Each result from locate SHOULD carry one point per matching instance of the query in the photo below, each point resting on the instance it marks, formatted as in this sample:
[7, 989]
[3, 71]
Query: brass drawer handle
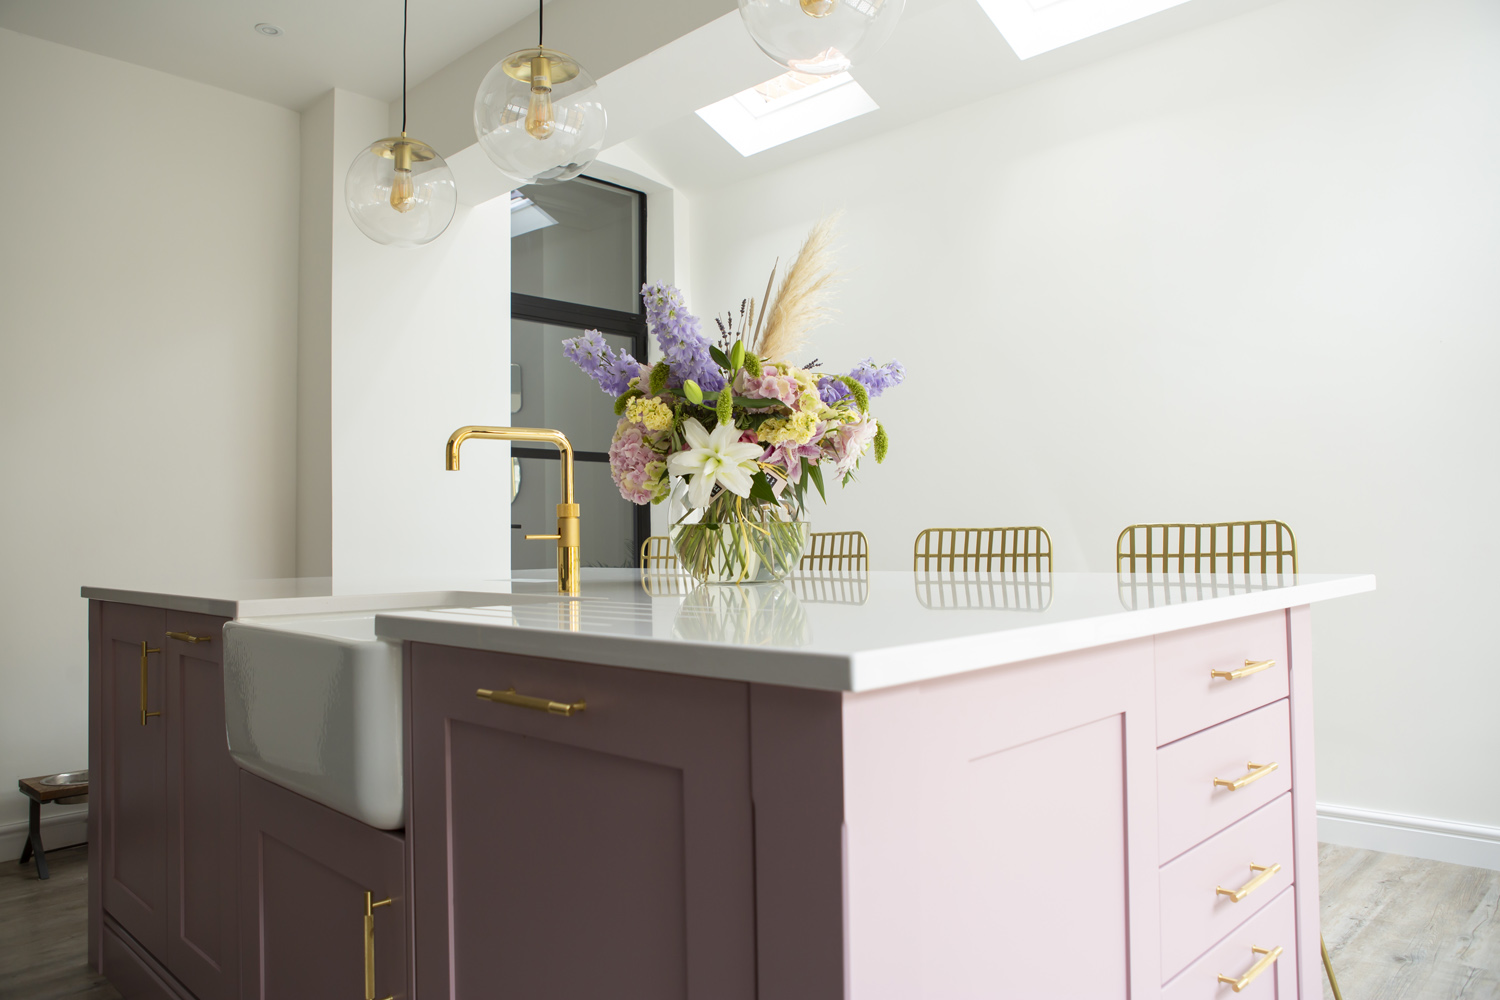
[1268, 959]
[1257, 771]
[370, 907]
[145, 651]
[189, 637]
[1265, 872]
[509, 697]
[1250, 667]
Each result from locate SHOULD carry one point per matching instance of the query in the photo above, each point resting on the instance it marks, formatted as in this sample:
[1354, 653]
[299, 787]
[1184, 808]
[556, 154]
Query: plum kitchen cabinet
[607, 852]
[164, 824]
[323, 901]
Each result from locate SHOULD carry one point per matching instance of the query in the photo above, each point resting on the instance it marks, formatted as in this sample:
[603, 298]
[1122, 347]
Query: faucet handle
[544, 538]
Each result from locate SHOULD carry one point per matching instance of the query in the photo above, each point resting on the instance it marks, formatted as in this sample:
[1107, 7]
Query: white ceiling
[352, 44]
[976, 63]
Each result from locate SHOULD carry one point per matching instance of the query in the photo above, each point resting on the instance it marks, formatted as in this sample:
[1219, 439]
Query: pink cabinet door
[202, 812]
[1002, 833]
[304, 872]
[603, 854]
[133, 863]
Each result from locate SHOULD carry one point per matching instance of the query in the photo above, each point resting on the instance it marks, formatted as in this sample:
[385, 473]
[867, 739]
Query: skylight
[527, 216]
[1036, 26]
[785, 108]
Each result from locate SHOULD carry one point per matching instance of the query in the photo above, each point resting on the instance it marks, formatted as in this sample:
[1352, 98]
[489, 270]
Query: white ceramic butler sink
[313, 703]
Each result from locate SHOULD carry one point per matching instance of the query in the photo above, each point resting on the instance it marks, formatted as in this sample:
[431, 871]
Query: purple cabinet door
[304, 873]
[133, 830]
[603, 854]
[202, 811]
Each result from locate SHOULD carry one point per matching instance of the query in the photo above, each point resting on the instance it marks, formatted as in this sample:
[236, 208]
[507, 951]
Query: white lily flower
[719, 457]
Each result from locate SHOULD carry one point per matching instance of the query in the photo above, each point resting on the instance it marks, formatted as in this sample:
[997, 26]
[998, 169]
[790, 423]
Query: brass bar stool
[837, 550]
[657, 555]
[1019, 549]
[1258, 546]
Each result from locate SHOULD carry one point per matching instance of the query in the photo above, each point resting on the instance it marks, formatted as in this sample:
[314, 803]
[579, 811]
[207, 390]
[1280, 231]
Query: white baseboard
[61, 827]
[1414, 836]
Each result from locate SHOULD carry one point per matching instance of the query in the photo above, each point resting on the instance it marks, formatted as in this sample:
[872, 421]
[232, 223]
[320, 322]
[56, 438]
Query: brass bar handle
[1256, 772]
[509, 697]
[1268, 959]
[1250, 667]
[370, 907]
[1265, 873]
[145, 651]
[189, 637]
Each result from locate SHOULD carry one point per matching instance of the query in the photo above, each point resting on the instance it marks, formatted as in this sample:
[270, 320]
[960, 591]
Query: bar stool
[66, 788]
[1010, 550]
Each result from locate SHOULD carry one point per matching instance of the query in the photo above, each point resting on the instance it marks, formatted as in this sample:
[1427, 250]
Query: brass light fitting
[568, 532]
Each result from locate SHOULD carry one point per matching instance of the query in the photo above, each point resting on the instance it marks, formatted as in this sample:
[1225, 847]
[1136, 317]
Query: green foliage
[761, 489]
[737, 355]
[725, 407]
[752, 364]
[719, 356]
[882, 443]
[624, 399]
[861, 395]
[692, 391]
[815, 473]
[660, 372]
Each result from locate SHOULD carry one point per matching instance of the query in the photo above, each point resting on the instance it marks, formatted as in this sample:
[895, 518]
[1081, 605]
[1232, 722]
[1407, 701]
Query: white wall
[1248, 271]
[400, 347]
[148, 322]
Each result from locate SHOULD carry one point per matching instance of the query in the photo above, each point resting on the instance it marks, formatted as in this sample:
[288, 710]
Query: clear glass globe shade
[538, 136]
[820, 36]
[397, 206]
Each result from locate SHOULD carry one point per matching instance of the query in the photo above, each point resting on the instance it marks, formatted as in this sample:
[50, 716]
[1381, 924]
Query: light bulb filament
[539, 119]
[818, 8]
[403, 190]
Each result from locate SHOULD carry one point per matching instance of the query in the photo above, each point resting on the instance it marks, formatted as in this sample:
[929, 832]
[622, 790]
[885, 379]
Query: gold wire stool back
[1256, 546]
[657, 555]
[1014, 550]
[836, 550]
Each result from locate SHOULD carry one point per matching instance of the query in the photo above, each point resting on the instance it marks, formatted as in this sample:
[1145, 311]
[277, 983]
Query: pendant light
[820, 36]
[536, 115]
[400, 192]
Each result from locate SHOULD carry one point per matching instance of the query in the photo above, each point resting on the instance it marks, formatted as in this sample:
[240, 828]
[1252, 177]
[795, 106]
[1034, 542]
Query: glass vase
[739, 544]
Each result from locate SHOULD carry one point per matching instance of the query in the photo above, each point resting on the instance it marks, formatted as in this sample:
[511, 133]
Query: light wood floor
[1398, 928]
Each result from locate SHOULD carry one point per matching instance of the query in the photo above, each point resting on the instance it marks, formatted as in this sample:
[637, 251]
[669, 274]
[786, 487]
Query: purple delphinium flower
[682, 345]
[613, 371]
[878, 379]
[831, 390]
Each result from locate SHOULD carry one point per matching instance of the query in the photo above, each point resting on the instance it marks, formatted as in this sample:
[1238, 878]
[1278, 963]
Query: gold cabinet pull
[1263, 875]
[1250, 667]
[370, 907]
[1268, 959]
[145, 651]
[1256, 772]
[509, 697]
[189, 637]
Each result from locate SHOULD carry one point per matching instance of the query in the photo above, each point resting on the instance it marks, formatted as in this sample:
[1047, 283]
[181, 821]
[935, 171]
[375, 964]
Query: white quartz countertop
[313, 595]
[854, 632]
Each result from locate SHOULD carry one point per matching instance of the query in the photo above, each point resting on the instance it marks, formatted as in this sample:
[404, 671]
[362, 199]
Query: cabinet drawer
[1193, 913]
[1273, 927]
[1190, 698]
[1192, 806]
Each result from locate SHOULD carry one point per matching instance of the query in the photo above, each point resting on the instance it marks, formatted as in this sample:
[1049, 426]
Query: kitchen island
[872, 785]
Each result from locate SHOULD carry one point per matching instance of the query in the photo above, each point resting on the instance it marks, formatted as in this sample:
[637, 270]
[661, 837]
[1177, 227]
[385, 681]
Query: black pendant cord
[403, 66]
[539, 23]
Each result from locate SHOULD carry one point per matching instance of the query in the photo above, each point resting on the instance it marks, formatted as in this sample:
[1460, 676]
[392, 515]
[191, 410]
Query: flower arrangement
[736, 422]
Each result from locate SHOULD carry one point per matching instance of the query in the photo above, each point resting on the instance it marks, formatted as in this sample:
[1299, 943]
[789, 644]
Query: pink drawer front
[1193, 913]
[1273, 927]
[1192, 807]
[1188, 695]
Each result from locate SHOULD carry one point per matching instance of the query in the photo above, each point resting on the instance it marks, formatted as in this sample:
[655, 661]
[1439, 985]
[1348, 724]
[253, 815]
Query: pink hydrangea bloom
[770, 385]
[638, 468]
